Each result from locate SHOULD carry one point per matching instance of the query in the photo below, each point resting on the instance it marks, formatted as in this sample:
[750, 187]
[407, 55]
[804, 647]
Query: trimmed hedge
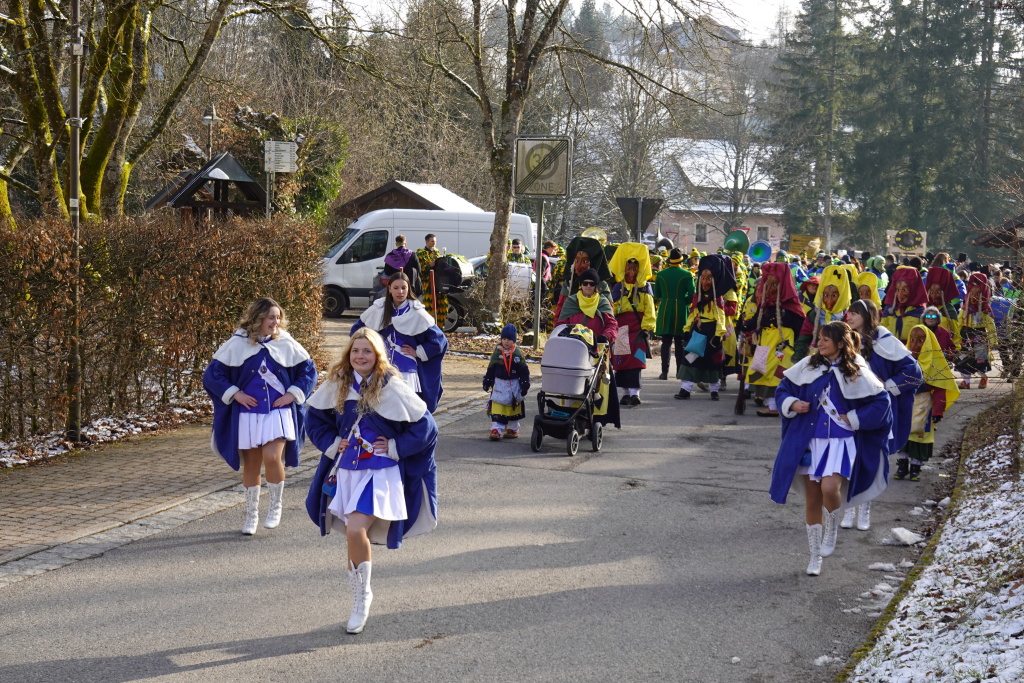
[159, 295]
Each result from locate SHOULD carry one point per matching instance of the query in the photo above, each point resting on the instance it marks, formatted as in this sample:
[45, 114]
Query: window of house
[701, 233]
[762, 232]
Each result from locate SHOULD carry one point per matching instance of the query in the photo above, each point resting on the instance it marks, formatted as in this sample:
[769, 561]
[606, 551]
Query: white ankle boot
[276, 503]
[864, 516]
[831, 531]
[252, 510]
[362, 596]
[814, 541]
[848, 518]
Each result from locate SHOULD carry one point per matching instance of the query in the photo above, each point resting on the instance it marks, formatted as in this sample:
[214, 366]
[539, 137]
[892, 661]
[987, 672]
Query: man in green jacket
[673, 289]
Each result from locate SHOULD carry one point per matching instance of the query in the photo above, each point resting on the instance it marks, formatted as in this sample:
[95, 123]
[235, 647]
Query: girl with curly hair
[376, 481]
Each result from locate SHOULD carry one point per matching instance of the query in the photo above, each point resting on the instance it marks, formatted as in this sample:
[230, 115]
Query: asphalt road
[661, 558]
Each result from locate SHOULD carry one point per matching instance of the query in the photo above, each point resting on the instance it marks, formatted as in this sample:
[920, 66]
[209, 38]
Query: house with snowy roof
[713, 187]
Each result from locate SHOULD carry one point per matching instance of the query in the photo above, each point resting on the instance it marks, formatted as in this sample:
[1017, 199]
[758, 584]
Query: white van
[358, 255]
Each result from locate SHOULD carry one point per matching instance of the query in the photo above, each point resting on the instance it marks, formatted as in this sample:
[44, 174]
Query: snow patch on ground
[104, 430]
[963, 619]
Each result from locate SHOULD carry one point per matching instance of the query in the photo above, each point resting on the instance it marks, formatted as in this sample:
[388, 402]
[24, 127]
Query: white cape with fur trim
[864, 385]
[415, 321]
[398, 402]
[285, 351]
[888, 346]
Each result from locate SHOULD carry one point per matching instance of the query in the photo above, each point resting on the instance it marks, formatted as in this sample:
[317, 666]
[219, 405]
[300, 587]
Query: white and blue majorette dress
[411, 324]
[266, 371]
[819, 444]
[398, 488]
[895, 366]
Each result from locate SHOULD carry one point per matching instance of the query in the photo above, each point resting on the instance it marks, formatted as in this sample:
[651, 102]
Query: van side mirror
[346, 256]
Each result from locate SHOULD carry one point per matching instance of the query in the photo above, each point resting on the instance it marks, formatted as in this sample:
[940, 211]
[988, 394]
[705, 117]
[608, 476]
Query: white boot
[814, 541]
[864, 516]
[848, 518]
[828, 536]
[362, 596]
[252, 510]
[276, 503]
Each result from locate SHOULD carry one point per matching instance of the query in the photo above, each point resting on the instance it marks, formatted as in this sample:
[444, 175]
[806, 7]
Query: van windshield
[341, 242]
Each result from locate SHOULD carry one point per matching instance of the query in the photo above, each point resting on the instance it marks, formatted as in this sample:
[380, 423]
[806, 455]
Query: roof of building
[431, 195]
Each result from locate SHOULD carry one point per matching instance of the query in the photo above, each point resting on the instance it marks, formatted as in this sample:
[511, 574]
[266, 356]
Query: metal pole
[538, 262]
[73, 427]
[270, 184]
[640, 219]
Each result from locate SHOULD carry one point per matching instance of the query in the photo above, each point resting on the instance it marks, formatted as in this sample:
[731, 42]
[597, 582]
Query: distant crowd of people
[856, 355]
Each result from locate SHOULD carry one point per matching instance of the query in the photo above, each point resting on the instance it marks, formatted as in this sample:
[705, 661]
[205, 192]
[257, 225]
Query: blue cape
[236, 362]
[874, 419]
[415, 442]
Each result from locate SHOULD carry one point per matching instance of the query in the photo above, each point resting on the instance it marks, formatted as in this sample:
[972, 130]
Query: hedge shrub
[159, 294]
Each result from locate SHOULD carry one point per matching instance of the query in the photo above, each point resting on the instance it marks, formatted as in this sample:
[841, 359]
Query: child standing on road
[376, 481]
[508, 380]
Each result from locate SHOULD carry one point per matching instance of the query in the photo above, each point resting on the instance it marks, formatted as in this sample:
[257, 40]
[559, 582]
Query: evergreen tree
[808, 100]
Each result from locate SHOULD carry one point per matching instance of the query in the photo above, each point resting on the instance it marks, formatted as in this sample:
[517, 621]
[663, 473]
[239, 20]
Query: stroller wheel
[572, 442]
[596, 436]
[536, 438]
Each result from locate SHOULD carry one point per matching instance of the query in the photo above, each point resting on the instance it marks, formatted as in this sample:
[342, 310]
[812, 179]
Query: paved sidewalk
[147, 478]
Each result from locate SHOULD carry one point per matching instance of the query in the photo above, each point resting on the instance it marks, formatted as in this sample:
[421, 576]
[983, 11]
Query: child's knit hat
[509, 332]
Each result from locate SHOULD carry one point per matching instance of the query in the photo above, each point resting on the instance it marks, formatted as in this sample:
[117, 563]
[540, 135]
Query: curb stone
[102, 538]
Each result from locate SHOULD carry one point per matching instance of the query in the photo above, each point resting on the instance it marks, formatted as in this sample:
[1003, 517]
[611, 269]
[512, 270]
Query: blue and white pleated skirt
[379, 493]
[830, 456]
[258, 429]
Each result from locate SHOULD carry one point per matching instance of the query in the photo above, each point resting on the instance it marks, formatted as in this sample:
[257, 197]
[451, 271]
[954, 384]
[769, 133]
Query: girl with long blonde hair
[376, 481]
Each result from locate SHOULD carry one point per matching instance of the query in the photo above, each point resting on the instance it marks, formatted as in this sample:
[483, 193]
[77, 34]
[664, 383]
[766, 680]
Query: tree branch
[20, 185]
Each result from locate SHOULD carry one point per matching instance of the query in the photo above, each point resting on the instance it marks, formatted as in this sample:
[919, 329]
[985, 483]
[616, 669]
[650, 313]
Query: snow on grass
[104, 430]
[963, 618]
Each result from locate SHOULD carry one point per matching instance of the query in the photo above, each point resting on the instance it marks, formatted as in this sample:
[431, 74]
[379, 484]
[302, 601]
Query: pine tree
[808, 100]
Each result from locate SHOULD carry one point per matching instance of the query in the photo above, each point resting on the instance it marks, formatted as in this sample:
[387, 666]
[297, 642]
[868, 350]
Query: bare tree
[493, 52]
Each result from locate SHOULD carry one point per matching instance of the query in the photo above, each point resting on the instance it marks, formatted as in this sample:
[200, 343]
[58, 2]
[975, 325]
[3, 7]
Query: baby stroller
[570, 389]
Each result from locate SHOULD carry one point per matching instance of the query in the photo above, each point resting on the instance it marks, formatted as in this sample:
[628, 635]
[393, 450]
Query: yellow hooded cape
[625, 252]
[837, 277]
[871, 280]
[935, 368]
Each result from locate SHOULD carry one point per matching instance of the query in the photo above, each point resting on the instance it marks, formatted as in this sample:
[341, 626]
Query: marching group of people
[857, 363]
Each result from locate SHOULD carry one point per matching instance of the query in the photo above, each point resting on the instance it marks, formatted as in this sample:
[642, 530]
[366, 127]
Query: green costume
[674, 290]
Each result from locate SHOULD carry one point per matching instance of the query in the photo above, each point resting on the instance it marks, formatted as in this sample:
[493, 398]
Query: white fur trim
[416, 321]
[285, 351]
[421, 353]
[888, 346]
[892, 387]
[392, 450]
[864, 385]
[229, 395]
[299, 394]
[854, 420]
[397, 401]
[787, 405]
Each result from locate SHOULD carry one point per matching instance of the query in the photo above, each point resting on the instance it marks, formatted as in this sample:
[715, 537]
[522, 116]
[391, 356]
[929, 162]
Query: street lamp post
[210, 119]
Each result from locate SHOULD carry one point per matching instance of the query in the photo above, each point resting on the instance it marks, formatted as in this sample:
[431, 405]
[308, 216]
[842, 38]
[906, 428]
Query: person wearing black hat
[590, 308]
[508, 380]
[705, 328]
[673, 288]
